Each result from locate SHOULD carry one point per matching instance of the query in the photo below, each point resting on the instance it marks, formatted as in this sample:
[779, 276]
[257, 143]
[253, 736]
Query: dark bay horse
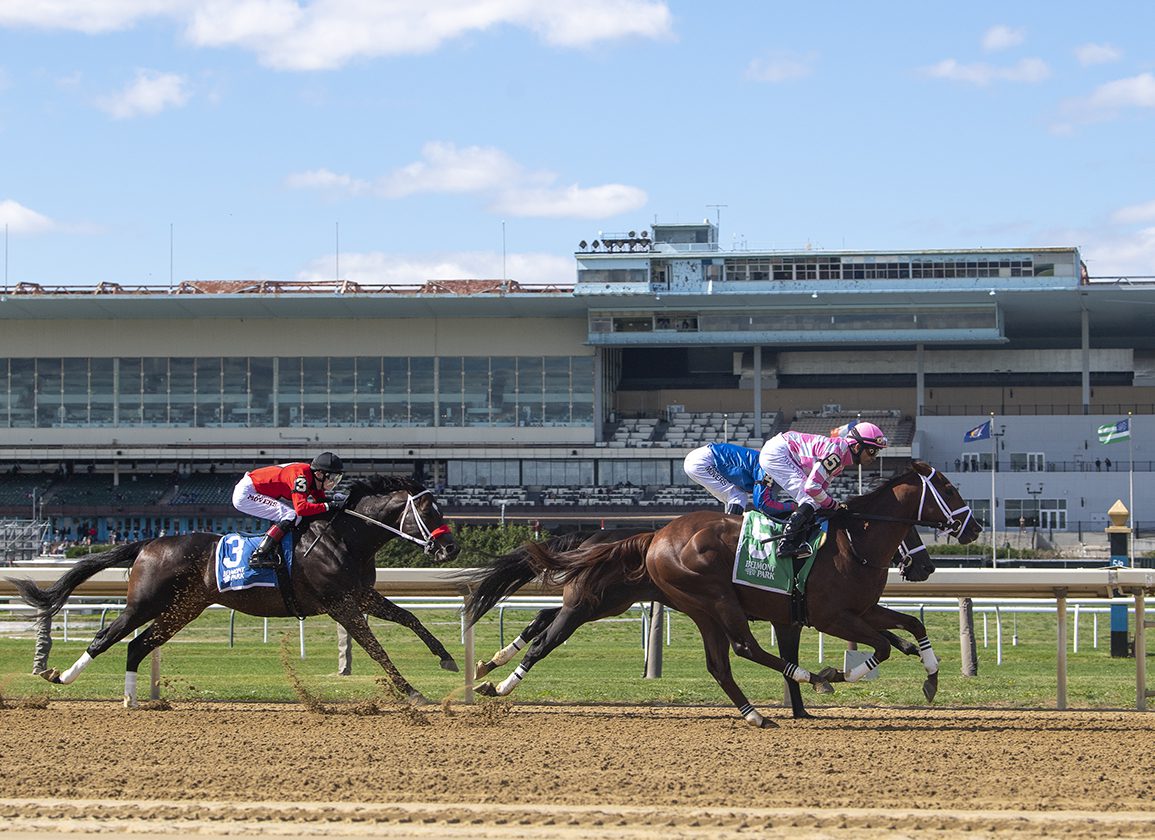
[691, 560]
[616, 593]
[173, 579]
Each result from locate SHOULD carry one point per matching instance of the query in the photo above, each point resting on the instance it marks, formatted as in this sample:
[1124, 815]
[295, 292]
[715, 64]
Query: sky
[400, 141]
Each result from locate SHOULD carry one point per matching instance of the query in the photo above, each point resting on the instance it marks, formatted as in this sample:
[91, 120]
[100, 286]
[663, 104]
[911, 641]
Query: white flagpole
[1131, 486]
[994, 515]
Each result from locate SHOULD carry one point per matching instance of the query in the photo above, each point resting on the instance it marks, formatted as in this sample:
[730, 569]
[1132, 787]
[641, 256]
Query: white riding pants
[246, 499]
[699, 467]
[777, 462]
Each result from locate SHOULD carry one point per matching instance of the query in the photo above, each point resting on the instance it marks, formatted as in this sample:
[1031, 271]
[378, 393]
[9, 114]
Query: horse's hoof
[486, 689]
[447, 664]
[803, 714]
[823, 687]
[830, 675]
[416, 698]
[482, 668]
[52, 675]
[130, 702]
[766, 723]
[930, 687]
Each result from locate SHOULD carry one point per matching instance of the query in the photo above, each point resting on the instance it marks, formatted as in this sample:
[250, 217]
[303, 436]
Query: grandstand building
[134, 409]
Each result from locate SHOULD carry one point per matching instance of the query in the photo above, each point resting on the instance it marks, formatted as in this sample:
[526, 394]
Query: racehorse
[691, 560]
[551, 627]
[173, 579]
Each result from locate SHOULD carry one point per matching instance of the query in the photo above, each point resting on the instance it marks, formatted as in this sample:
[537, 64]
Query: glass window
[530, 391]
[449, 391]
[395, 392]
[475, 391]
[503, 390]
[368, 391]
[342, 391]
[74, 400]
[22, 385]
[128, 392]
[557, 391]
[49, 378]
[182, 392]
[582, 390]
[260, 392]
[234, 391]
[289, 392]
[421, 391]
[315, 390]
[101, 393]
[208, 392]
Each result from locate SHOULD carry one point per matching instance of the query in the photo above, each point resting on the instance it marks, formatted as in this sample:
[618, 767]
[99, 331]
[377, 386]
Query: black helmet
[327, 462]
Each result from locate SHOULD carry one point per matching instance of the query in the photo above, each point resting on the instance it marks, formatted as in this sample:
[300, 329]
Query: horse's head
[913, 559]
[407, 510]
[941, 502]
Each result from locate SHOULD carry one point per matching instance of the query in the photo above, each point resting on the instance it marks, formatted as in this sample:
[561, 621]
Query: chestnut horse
[691, 562]
[551, 627]
[173, 579]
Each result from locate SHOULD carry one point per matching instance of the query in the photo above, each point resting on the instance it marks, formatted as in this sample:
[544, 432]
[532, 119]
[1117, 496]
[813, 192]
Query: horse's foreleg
[156, 634]
[565, 621]
[539, 623]
[788, 639]
[882, 617]
[376, 604]
[350, 617]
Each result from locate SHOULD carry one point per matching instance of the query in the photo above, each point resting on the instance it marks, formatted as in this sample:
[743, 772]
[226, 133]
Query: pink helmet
[867, 434]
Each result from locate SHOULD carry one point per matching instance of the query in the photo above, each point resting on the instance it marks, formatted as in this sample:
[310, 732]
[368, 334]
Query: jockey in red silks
[263, 493]
[803, 465]
[732, 475]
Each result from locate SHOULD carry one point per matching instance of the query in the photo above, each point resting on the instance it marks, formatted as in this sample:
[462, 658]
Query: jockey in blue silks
[733, 476]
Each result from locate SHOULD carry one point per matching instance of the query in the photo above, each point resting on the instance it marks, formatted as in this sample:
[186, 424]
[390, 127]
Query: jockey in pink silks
[803, 465]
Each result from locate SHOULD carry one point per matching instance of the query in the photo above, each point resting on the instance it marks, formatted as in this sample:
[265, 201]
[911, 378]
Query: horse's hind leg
[376, 604]
[541, 621]
[349, 616]
[717, 646]
[565, 621]
[133, 616]
[881, 617]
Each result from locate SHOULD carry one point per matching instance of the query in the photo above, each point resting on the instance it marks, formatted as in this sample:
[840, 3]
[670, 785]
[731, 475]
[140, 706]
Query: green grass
[601, 663]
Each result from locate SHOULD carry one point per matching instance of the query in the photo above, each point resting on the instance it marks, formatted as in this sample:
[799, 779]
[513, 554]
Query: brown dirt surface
[505, 770]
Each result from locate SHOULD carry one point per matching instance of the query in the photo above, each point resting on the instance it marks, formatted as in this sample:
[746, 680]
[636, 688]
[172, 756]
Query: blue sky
[409, 140]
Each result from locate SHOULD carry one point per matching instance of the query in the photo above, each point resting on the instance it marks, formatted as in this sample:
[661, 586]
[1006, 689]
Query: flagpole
[994, 517]
[1131, 486]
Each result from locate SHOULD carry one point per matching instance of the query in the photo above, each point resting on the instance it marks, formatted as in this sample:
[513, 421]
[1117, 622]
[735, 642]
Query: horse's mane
[898, 476]
[380, 485]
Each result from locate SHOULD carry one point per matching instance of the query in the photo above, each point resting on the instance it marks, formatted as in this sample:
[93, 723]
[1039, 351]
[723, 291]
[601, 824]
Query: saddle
[234, 572]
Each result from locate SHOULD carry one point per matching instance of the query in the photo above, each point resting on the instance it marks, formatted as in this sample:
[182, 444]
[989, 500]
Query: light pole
[1035, 492]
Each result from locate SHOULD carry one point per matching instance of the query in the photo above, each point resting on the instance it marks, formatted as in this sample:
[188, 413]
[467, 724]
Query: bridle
[428, 538]
[953, 524]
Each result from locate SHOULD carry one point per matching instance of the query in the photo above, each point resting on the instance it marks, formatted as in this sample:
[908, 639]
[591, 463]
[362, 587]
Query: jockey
[263, 493]
[732, 475]
[803, 465]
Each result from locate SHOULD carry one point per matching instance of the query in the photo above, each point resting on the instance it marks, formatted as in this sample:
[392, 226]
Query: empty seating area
[204, 489]
[100, 490]
[898, 430]
[688, 430]
[16, 490]
[634, 432]
[485, 497]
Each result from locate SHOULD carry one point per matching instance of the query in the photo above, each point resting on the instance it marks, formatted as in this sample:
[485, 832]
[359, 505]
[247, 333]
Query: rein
[952, 523]
[427, 538]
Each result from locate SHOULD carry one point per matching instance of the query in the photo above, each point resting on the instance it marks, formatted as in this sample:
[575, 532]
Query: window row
[297, 391]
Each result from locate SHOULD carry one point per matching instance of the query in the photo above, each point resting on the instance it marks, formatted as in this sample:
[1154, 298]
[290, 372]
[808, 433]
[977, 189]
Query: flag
[979, 432]
[1114, 432]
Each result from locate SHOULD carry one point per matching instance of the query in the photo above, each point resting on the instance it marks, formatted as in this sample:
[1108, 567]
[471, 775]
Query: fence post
[344, 652]
[966, 638]
[654, 642]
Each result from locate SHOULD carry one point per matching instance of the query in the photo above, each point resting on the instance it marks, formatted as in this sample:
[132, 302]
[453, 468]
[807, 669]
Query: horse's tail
[506, 574]
[52, 599]
[590, 569]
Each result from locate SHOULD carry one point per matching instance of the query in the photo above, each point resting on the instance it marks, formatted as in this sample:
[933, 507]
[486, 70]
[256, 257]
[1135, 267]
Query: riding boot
[794, 536]
[268, 554]
[735, 508]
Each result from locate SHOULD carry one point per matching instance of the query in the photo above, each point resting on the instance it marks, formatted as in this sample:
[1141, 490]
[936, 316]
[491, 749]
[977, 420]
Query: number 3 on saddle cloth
[232, 555]
[756, 562]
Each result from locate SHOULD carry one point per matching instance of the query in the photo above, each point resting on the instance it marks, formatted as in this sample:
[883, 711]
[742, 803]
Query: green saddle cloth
[756, 562]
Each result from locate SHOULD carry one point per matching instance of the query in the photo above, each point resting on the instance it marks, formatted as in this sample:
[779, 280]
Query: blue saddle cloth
[233, 553]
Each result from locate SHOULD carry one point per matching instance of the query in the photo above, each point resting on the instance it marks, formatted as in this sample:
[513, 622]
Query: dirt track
[553, 772]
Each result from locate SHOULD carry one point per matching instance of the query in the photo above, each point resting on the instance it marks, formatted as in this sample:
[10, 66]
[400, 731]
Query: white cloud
[508, 187]
[21, 219]
[377, 267]
[1106, 102]
[1136, 213]
[325, 34]
[149, 93]
[1002, 37]
[1089, 54]
[1027, 71]
[781, 67]
[1117, 254]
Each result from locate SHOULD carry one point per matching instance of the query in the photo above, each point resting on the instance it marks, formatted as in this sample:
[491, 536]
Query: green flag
[1114, 432]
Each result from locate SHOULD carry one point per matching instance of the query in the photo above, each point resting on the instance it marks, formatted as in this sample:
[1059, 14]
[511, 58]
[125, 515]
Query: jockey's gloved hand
[335, 504]
[841, 507]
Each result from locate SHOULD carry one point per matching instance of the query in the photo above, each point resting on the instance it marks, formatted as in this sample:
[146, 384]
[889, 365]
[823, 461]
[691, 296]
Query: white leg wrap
[929, 660]
[796, 673]
[861, 669]
[508, 652]
[130, 688]
[79, 665]
[752, 715]
[510, 683]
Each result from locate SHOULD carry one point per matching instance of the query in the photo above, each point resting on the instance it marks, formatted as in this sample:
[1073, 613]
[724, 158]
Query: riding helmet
[327, 462]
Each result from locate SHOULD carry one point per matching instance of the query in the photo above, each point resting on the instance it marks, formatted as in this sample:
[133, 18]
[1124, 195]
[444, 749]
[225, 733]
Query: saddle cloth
[232, 554]
[756, 560]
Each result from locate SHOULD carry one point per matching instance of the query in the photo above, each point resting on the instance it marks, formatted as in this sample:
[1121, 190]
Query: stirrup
[267, 560]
